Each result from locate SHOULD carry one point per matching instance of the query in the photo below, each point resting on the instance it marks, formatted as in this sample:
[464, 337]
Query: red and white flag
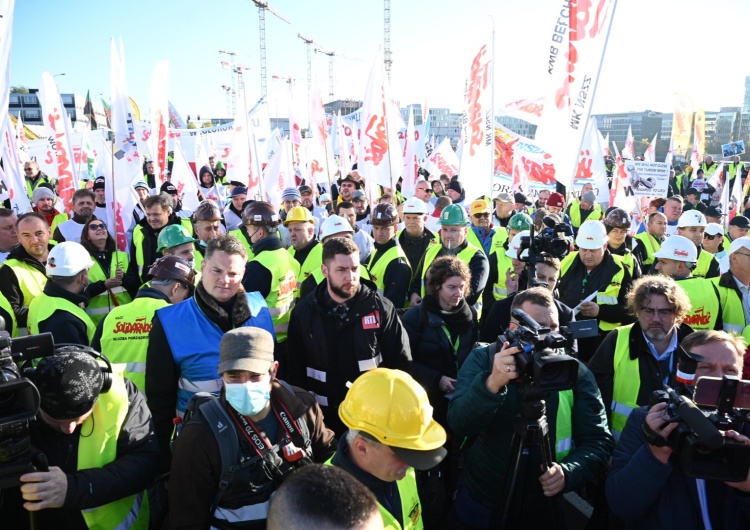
[118, 189]
[201, 155]
[239, 163]
[183, 178]
[477, 131]
[279, 174]
[443, 160]
[13, 176]
[591, 168]
[573, 77]
[410, 173]
[732, 199]
[6, 37]
[650, 154]
[56, 122]
[345, 164]
[381, 159]
[529, 110]
[628, 151]
[670, 152]
[605, 144]
[160, 119]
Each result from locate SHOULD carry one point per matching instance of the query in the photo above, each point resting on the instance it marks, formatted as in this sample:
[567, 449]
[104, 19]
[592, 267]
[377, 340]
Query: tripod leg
[558, 510]
[511, 474]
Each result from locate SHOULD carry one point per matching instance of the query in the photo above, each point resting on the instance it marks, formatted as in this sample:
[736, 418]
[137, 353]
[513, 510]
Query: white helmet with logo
[592, 235]
[678, 248]
[415, 205]
[334, 224]
[692, 218]
[515, 245]
[68, 259]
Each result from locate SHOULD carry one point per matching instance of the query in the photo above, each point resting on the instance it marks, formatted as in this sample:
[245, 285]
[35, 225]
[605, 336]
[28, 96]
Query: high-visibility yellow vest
[31, 280]
[377, 271]
[411, 508]
[575, 213]
[138, 238]
[125, 336]
[99, 449]
[56, 220]
[102, 303]
[651, 244]
[40, 180]
[312, 263]
[245, 243]
[280, 300]
[564, 425]
[504, 264]
[704, 262]
[43, 306]
[609, 295]
[496, 244]
[732, 312]
[432, 251]
[626, 383]
[11, 326]
[705, 305]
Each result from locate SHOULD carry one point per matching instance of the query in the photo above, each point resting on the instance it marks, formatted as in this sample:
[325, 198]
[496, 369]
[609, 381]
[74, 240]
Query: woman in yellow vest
[106, 290]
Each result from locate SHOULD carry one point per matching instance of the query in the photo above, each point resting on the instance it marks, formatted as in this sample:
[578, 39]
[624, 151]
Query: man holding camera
[485, 408]
[96, 432]
[646, 485]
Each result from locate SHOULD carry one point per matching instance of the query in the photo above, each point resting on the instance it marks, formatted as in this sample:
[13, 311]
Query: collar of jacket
[637, 341]
[53, 289]
[211, 308]
[20, 254]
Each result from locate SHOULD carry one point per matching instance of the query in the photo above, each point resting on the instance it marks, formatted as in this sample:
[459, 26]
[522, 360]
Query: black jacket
[66, 328]
[414, 248]
[163, 374]
[627, 248]
[10, 287]
[602, 364]
[150, 255]
[133, 470]
[340, 349]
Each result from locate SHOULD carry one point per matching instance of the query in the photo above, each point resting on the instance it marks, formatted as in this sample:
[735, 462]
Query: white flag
[591, 168]
[381, 159]
[443, 160]
[650, 154]
[670, 152]
[183, 179]
[477, 131]
[628, 152]
[278, 174]
[344, 152]
[201, 155]
[22, 147]
[55, 119]
[13, 177]
[160, 119]
[120, 198]
[410, 173]
[239, 163]
[6, 36]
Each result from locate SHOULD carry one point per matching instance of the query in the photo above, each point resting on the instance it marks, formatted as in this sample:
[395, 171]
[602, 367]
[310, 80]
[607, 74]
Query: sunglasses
[480, 215]
[97, 226]
[711, 237]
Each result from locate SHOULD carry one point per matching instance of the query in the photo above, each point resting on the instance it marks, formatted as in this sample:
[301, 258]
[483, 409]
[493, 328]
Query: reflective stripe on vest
[99, 449]
[102, 303]
[564, 425]
[504, 264]
[411, 508]
[432, 251]
[125, 336]
[31, 280]
[650, 244]
[626, 382]
[313, 261]
[732, 312]
[245, 243]
[43, 306]
[194, 341]
[243, 514]
[704, 262]
[284, 270]
[705, 307]
[377, 271]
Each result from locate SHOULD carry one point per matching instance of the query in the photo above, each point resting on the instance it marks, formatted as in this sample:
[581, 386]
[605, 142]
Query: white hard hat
[515, 244]
[325, 197]
[678, 248]
[591, 235]
[415, 205]
[714, 229]
[334, 224]
[68, 259]
[691, 218]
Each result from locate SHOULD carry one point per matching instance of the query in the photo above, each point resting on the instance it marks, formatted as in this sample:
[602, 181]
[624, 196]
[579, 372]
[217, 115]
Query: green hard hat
[453, 215]
[520, 222]
[172, 236]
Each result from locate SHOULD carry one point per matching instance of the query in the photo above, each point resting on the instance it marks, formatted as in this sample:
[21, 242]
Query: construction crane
[387, 38]
[237, 69]
[330, 55]
[230, 95]
[289, 80]
[262, 8]
[309, 43]
[233, 55]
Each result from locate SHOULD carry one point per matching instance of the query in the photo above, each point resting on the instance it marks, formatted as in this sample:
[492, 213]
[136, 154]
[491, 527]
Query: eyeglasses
[663, 313]
[481, 215]
[741, 254]
[28, 169]
[711, 237]
[97, 226]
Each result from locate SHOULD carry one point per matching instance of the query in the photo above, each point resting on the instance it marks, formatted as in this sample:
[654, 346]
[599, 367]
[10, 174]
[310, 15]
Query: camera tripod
[531, 432]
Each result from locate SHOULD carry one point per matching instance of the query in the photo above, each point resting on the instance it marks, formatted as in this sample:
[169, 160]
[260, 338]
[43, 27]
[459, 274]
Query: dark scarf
[458, 320]
[219, 312]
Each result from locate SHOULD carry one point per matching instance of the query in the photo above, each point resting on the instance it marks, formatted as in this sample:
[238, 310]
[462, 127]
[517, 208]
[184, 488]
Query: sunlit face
[84, 206]
[8, 232]
[45, 205]
[719, 359]
[382, 462]
[222, 275]
[142, 193]
[300, 234]
[207, 230]
[350, 214]
[414, 223]
[543, 196]
[347, 189]
[735, 232]
[452, 292]
[555, 209]
[383, 234]
[99, 195]
[454, 195]
[360, 205]
[156, 217]
[503, 209]
[673, 210]
[97, 231]
[307, 199]
[592, 258]
[711, 243]
[290, 203]
[238, 201]
[481, 220]
[206, 179]
[437, 187]
[185, 251]
[150, 168]
[656, 317]
[31, 169]
[547, 274]
[453, 236]
[342, 273]
[670, 267]
[545, 316]
[693, 233]
[657, 226]
[34, 235]
[616, 237]
[423, 191]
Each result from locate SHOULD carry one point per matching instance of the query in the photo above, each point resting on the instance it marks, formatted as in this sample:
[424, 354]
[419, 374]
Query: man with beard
[44, 203]
[343, 329]
[637, 359]
[362, 209]
[83, 210]
[346, 189]
[308, 201]
[233, 211]
[503, 210]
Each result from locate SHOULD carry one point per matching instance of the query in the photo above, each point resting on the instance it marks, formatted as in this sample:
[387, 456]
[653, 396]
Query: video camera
[19, 403]
[537, 363]
[703, 450]
[553, 240]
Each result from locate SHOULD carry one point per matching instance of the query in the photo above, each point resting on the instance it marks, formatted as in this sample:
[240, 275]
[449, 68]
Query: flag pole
[114, 191]
[492, 110]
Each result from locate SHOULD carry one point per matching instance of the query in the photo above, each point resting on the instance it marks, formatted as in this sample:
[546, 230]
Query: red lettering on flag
[378, 147]
[478, 79]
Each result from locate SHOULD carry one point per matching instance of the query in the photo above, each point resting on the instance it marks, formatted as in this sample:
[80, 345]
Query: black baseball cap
[740, 221]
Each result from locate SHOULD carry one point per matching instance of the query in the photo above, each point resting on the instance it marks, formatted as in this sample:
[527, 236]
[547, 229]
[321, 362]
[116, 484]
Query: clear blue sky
[656, 48]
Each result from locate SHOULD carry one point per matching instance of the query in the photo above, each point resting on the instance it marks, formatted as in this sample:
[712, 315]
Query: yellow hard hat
[299, 214]
[391, 407]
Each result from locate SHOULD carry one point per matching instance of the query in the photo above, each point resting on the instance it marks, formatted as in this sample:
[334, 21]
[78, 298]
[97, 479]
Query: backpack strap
[226, 438]
[303, 436]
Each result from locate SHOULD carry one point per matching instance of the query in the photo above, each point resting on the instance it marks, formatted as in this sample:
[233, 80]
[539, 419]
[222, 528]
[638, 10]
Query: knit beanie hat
[69, 383]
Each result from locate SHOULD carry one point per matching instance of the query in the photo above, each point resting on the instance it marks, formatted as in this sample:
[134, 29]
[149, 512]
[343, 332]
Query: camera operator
[485, 407]
[100, 445]
[647, 487]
